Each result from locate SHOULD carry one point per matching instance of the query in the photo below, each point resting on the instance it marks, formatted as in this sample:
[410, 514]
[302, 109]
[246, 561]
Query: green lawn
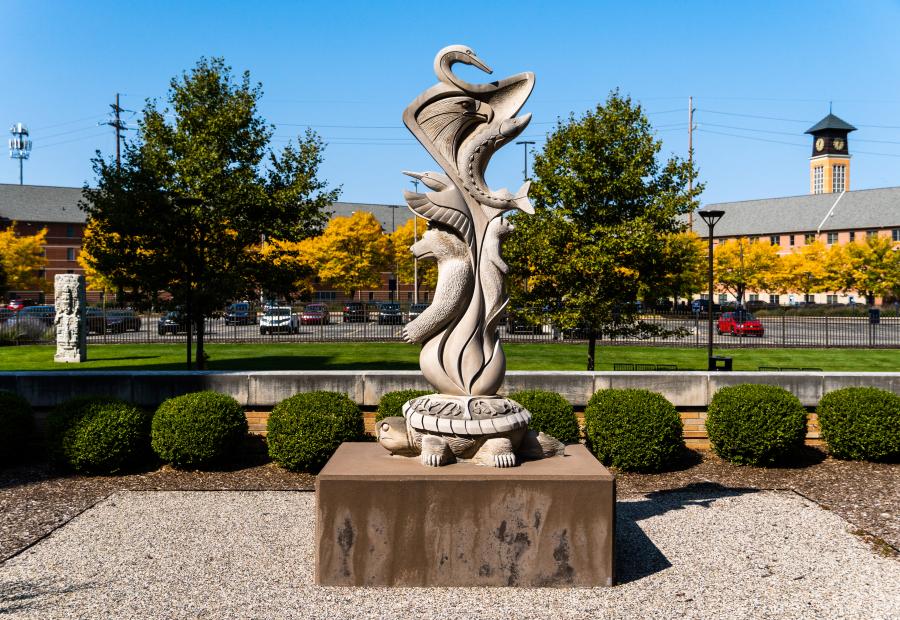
[399, 356]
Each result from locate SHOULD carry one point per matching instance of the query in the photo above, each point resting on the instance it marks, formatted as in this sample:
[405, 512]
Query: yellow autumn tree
[871, 268]
[289, 269]
[23, 258]
[94, 280]
[401, 240]
[742, 266]
[351, 253]
[803, 271]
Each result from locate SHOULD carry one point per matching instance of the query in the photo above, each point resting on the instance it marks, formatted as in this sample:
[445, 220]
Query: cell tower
[19, 145]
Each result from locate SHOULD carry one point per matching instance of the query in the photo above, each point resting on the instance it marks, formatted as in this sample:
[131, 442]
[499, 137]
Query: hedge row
[633, 430]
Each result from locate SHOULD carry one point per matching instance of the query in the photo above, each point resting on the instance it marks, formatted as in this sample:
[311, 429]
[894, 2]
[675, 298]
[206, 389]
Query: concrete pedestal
[389, 521]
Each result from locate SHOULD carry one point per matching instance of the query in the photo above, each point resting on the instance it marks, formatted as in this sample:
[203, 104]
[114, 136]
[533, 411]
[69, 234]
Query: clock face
[820, 144]
[838, 144]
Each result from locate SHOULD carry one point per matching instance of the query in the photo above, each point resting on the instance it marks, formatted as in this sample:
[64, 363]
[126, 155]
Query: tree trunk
[189, 326]
[201, 356]
[592, 348]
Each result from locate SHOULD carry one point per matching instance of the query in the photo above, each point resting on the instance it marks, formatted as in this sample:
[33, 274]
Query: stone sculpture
[462, 125]
[71, 327]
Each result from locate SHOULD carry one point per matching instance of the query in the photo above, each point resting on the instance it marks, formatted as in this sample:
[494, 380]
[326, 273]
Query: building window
[809, 238]
[774, 239]
[895, 234]
[371, 296]
[425, 297]
[70, 254]
[831, 299]
[70, 230]
[754, 297]
[791, 239]
[774, 299]
[837, 178]
[409, 296]
[69, 271]
[809, 298]
[832, 238]
[723, 297]
[326, 295]
[852, 236]
[818, 179]
[754, 239]
[871, 234]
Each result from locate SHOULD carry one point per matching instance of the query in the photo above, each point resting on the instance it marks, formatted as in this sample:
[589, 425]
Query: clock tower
[829, 166]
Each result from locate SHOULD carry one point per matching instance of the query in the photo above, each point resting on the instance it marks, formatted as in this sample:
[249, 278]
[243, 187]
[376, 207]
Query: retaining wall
[258, 392]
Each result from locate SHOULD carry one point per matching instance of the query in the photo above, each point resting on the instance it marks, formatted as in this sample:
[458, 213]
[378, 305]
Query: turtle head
[392, 436]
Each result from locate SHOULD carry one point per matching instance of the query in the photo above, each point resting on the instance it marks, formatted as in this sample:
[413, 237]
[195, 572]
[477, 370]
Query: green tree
[187, 211]
[604, 207]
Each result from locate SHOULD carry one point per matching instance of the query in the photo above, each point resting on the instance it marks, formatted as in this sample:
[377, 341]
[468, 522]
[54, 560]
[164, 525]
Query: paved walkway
[709, 553]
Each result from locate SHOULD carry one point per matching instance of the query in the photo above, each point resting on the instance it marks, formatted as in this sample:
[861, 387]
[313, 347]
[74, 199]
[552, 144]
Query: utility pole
[525, 144]
[691, 157]
[415, 183]
[119, 126]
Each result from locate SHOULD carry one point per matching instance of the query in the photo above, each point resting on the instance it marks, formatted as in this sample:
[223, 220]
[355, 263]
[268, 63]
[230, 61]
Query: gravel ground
[35, 499]
[704, 552]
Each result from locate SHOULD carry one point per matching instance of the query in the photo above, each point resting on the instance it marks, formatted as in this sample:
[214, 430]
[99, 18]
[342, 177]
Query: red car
[740, 323]
[315, 314]
[17, 304]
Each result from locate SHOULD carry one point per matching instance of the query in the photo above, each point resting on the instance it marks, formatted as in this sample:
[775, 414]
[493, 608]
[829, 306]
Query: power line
[44, 146]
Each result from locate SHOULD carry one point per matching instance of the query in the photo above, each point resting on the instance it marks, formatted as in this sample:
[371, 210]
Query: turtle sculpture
[462, 125]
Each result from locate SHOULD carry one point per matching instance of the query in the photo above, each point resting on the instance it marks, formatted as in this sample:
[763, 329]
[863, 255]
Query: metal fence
[35, 325]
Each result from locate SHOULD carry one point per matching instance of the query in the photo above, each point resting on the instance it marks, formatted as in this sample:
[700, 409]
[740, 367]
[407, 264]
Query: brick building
[33, 207]
[831, 213]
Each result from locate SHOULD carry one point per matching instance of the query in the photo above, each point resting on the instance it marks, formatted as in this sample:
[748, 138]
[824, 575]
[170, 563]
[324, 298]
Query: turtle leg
[496, 452]
[435, 451]
[540, 446]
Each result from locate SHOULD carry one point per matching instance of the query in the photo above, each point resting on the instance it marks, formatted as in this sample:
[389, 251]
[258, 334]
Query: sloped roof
[856, 210]
[40, 203]
[390, 216]
[831, 122]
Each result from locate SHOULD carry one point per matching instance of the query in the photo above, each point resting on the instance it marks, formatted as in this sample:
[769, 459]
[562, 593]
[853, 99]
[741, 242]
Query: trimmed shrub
[861, 423]
[550, 413]
[391, 404]
[16, 425]
[98, 434]
[633, 430]
[306, 429]
[198, 430]
[755, 424]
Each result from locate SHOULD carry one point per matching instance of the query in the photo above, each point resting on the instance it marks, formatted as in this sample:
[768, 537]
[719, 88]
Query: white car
[277, 319]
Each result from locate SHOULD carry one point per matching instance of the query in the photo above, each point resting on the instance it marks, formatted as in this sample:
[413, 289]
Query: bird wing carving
[445, 207]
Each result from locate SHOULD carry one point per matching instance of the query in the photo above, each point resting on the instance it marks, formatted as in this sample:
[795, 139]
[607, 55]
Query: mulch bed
[35, 499]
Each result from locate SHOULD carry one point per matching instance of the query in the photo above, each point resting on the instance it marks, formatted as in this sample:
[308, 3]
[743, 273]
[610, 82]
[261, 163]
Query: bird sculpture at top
[462, 125]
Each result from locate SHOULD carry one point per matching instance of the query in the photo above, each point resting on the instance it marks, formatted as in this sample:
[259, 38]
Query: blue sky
[761, 73]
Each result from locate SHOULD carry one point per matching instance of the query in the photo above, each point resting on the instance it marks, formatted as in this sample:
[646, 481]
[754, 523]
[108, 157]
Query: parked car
[17, 304]
[355, 312]
[315, 314]
[702, 305]
[173, 322]
[118, 321]
[277, 319]
[740, 323]
[516, 323]
[44, 314]
[389, 314]
[239, 313]
[415, 310]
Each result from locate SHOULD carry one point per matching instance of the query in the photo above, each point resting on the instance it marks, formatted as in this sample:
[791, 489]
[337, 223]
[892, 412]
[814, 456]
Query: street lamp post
[711, 217]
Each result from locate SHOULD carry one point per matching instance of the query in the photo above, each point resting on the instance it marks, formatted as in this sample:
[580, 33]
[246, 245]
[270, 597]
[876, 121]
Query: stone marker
[497, 504]
[71, 324]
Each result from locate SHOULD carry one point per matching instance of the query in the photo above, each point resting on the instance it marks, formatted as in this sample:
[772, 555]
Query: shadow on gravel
[636, 555]
[17, 596]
